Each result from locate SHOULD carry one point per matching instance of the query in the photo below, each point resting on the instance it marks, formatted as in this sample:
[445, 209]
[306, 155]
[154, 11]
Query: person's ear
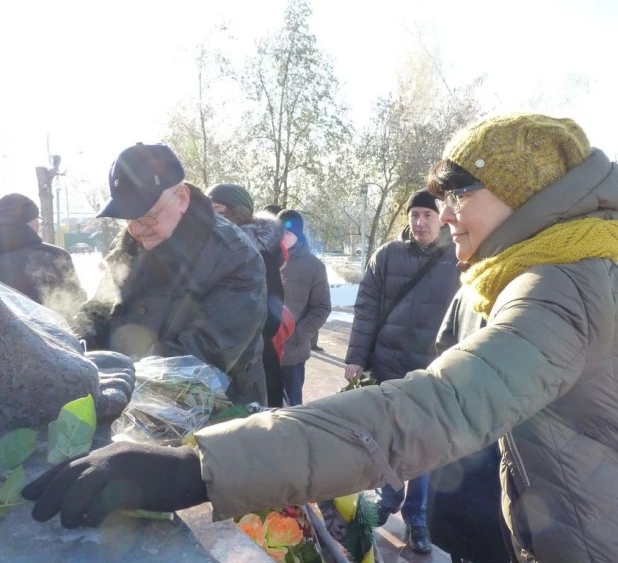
[184, 198]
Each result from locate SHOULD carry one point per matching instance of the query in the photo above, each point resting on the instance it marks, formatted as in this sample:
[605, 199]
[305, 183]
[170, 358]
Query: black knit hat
[231, 195]
[272, 208]
[421, 198]
[292, 221]
[17, 209]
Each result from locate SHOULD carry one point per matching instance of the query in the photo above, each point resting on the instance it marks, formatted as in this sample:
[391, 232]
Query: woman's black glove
[122, 475]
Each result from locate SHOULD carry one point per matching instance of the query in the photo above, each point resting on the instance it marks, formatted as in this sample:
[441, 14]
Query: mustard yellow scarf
[564, 243]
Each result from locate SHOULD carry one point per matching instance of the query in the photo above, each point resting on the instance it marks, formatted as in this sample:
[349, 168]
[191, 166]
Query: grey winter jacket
[201, 292]
[543, 375]
[307, 296]
[41, 271]
[407, 338]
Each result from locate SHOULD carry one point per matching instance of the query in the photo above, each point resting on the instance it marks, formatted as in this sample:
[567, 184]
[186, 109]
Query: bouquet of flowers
[286, 534]
[173, 399]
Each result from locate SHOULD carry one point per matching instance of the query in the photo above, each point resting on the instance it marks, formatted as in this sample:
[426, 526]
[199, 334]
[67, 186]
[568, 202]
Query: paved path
[324, 376]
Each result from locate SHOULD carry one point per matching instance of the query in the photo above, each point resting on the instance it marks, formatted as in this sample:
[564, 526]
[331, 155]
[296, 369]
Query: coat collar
[301, 248]
[15, 237]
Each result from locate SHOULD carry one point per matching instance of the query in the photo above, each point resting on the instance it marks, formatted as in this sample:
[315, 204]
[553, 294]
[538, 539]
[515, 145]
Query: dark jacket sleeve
[274, 299]
[366, 313]
[230, 316]
[318, 307]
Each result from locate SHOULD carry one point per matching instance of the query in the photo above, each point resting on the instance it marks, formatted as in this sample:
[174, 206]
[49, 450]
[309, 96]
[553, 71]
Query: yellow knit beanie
[518, 155]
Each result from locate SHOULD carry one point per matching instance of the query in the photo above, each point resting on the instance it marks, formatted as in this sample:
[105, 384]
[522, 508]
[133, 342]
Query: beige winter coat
[544, 368]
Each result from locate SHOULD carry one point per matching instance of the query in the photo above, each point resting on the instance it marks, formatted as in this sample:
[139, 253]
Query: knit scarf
[564, 243]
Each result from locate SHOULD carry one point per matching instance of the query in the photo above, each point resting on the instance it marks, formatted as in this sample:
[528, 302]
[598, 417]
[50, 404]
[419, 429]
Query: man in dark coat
[43, 272]
[405, 340]
[181, 279]
[307, 296]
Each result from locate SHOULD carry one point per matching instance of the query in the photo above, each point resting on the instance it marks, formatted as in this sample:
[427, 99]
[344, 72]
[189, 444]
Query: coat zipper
[519, 464]
[366, 440]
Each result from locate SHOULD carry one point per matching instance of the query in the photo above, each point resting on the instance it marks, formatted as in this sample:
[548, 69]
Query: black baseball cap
[137, 179]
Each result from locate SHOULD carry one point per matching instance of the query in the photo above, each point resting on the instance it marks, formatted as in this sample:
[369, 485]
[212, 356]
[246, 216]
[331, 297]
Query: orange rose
[252, 526]
[279, 530]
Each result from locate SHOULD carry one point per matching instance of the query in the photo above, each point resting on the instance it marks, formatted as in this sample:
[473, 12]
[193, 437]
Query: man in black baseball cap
[138, 178]
[183, 280]
[147, 187]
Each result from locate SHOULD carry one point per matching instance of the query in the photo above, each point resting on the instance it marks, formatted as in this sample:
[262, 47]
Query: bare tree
[332, 201]
[407, 135]
[210, 149]
[293, 85]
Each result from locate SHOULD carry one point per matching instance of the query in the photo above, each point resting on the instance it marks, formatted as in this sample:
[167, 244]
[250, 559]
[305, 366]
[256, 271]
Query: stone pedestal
[119, 539]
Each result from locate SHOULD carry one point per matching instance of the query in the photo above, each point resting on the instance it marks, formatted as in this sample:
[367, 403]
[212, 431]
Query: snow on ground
[343, 295]
[341, 316]
[90, 270]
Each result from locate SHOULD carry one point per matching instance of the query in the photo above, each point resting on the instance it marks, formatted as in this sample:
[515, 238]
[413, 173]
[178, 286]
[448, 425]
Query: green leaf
[363, 381]
[16, 447]
[305, 552]
[83, 409]
[72, 433]
[11, 489]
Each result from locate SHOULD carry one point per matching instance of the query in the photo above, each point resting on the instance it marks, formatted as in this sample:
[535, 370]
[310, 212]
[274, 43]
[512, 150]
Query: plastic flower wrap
[173, 398]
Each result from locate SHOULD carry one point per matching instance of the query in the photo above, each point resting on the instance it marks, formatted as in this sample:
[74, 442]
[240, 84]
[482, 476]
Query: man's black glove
[122, 475]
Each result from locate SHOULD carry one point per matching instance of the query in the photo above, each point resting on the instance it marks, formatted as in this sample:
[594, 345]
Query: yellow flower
[252, 526]
[346, 506]
[279, 530]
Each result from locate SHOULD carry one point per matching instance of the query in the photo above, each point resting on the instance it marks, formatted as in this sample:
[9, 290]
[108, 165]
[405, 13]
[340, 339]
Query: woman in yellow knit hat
[529, 357]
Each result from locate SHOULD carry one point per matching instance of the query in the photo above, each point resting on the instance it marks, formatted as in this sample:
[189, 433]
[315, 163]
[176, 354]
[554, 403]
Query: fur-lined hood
[265, 232]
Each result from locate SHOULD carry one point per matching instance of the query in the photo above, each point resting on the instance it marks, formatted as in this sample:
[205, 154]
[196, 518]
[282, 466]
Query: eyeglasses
[453, 200]
[151, 220]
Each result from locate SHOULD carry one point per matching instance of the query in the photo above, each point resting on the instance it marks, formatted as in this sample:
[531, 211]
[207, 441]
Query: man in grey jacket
[307, 296]
[392, 344]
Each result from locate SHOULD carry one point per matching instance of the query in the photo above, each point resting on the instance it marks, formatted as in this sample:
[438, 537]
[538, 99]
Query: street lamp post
[57, 213]
[364, 190]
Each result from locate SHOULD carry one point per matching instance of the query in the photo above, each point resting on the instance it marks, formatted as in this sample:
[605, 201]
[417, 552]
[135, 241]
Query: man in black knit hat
[395, 328]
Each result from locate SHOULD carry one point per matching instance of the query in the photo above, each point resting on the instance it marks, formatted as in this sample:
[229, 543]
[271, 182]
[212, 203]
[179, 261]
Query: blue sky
[97, 77]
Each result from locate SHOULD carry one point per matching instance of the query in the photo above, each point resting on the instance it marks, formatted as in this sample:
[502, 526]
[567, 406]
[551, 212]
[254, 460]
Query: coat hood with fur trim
[265, 232]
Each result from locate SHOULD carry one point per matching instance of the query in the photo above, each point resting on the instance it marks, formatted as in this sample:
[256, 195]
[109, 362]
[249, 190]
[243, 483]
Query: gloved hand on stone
[123, 475]
[115, 393]
[117, 381]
